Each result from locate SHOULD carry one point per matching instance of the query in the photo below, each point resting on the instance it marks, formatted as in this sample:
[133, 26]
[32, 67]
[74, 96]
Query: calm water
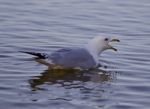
[46, 25]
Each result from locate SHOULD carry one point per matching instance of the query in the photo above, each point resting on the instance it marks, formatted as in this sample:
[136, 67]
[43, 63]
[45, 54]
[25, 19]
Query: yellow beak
[114, 40]
[113, 48]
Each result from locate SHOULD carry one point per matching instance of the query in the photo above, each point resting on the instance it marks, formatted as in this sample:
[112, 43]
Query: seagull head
[104, 43]
[99, 44]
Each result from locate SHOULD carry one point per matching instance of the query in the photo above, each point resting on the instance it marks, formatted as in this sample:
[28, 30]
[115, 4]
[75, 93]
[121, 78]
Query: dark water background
[46, 25]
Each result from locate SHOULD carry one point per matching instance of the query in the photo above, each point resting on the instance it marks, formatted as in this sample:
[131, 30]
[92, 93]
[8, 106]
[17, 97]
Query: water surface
[44, 26]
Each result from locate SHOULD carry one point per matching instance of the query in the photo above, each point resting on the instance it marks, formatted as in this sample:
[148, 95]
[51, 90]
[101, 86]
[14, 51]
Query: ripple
[44, 26]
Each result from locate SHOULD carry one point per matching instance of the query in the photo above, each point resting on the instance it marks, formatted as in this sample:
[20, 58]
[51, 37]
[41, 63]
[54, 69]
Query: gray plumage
[73, 57]
[84, 58]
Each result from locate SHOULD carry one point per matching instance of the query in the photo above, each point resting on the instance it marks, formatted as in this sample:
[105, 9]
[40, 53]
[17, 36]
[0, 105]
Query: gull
[86, 57]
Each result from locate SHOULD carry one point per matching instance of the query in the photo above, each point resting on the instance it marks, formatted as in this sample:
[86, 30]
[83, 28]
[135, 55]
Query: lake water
[47, 25]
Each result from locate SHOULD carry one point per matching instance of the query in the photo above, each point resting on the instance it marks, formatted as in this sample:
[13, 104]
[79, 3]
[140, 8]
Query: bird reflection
[60, 76]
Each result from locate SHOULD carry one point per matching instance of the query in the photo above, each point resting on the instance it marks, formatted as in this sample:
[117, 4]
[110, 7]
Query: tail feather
[39, 55]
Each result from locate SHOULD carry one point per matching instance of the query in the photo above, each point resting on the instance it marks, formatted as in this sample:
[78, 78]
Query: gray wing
[73, 57]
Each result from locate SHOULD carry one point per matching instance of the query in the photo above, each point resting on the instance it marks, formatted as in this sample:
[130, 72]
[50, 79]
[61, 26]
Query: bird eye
[106, 39]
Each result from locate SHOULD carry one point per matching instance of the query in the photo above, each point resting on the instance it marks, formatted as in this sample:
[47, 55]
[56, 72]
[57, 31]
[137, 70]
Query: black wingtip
[39, 55]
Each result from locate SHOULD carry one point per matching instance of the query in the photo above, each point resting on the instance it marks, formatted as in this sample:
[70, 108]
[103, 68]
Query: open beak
[113, 40]
[113, 48]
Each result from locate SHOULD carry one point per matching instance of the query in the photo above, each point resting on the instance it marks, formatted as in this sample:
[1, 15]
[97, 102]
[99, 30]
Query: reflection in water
[61, 76]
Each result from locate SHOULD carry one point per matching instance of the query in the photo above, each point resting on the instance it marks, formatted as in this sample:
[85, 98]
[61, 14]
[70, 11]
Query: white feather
[96, 46]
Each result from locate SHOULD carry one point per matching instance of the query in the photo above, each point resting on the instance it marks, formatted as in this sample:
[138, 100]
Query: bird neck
[94, 50]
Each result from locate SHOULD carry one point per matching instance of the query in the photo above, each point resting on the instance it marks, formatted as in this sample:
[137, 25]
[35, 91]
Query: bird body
[75, 57]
